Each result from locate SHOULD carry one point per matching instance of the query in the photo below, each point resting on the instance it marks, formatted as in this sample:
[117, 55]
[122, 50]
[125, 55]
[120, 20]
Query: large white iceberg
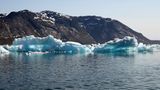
[46, 44]
[53, 45]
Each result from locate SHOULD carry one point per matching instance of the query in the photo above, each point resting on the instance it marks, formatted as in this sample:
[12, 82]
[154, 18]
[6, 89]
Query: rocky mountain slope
[83, 29]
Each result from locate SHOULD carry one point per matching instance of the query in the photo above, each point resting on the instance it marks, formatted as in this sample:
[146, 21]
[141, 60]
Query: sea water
[80, 72]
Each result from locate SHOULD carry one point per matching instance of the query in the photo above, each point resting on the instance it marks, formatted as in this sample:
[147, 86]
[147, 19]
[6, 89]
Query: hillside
[83, 29]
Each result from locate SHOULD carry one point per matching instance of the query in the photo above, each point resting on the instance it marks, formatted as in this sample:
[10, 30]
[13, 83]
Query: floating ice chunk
[51, 44]
[117, 45]
[142, 47]
[3, 50]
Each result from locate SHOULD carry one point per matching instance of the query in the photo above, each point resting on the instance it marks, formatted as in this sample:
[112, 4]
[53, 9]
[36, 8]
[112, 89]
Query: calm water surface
[80, 72]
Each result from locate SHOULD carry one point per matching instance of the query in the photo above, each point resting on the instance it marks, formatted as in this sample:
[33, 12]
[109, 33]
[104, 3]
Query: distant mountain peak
[24, 11]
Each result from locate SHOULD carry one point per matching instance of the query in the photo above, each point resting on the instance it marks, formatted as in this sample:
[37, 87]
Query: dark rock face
[83, 29]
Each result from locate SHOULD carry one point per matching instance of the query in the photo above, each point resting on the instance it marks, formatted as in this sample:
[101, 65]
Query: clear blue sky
[141, 15]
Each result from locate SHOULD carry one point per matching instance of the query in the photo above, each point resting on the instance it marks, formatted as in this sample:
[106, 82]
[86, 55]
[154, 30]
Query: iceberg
[118, 45]
[46, 44]
[3, 50]
[52, 45]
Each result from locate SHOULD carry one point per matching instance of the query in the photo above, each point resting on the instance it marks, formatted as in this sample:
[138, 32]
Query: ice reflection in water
[80, 72]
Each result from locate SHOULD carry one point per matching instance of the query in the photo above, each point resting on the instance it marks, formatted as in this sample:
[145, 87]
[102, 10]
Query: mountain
[83, 29]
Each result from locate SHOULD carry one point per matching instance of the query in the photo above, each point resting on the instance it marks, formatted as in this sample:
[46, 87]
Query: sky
[140, 15]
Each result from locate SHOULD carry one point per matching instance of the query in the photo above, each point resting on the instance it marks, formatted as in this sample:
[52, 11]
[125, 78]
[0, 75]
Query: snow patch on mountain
[45, 18]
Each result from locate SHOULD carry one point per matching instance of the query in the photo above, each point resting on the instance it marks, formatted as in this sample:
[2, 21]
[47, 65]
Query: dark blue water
[80, 72]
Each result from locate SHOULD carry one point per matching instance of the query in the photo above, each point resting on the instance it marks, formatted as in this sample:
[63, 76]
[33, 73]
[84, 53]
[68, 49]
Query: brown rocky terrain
[83, 29]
